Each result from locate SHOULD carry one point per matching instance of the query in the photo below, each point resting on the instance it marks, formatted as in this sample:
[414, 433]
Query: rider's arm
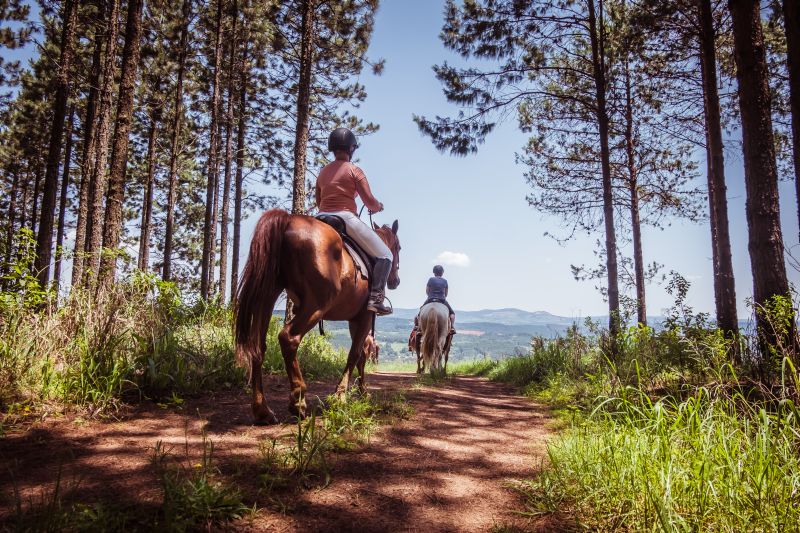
[428, 289]
[362, 187]
[446, 288]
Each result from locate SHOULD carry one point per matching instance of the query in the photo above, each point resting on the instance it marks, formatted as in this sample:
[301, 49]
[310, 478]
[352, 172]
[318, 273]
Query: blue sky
[475, 206]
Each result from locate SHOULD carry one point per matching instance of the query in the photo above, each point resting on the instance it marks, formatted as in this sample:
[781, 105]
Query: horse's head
[389, 237]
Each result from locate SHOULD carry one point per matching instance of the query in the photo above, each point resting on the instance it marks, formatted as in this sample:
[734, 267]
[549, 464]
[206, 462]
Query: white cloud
[456, 259]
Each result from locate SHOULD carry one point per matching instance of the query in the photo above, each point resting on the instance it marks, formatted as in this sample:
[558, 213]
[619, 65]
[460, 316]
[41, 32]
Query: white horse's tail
[433, 324]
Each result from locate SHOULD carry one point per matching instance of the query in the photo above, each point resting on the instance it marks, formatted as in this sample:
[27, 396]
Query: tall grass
[676, 433]
[134, 339]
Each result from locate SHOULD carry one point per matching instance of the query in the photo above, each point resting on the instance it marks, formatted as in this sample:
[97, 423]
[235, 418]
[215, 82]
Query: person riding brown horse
[338, 184]
[307, 258]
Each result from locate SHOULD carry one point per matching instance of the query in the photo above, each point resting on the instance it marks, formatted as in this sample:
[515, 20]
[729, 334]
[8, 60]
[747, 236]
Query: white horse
[434, 325]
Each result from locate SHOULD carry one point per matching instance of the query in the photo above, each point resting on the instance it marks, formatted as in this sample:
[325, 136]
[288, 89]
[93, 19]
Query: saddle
[363, 261]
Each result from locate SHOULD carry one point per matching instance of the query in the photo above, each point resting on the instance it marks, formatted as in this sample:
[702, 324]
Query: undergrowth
[684, 430]
[136, 339]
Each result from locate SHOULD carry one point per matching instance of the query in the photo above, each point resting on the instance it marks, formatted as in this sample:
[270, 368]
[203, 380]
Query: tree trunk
[597, 36]
[303, 99]
[226, 185]
[633, 187]
[12, 214]
[237, 197]
[760, 172]
[212, 166]
[37, 187]
[724, 283]
[175, 145]
[87, 165]
[791, 20]
[143, 262]
[62, 205]
[94, 230]
[119, 154]
[44, 240]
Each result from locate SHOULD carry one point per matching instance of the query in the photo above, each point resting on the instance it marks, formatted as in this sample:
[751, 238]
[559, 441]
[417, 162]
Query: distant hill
[488, 332]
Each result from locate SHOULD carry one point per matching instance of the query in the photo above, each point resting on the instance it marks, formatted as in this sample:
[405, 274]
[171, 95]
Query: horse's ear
[375, 226]
[394, 227]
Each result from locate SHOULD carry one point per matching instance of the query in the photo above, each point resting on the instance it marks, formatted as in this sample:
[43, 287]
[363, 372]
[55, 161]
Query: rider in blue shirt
[437, 292]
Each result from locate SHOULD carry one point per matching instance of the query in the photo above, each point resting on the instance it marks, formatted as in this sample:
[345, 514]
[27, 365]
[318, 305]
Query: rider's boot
[380, 274]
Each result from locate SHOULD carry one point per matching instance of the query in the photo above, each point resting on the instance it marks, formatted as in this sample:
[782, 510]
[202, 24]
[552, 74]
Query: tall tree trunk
[303, 98]
[724, 283]
[301, 129]
[94, 231]
[212, 166]
[172, 179]
[119, 153]
[24, 203]
[633, 187]
[791, 20]
[37, 182]
[597, 37]
[237, 197]
[143, 262]
[226, 185]
[44, 240]
[88, 150]
[12, 214]
[760, 172]
[62, 204]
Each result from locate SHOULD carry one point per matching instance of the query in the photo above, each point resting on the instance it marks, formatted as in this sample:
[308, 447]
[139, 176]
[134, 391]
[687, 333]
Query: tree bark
[175, 145]
[62, 205]
[37, 182]
[94, 230]
[119, 154]
[724, 283]
[303, 101]
[212, 165]
[12, 214]
[597, 38]
[226, 185]
[760, 172]
[143, 262]
[791, 20]
[44, 240]
[87, 162]
[237, 197]
[633, 187]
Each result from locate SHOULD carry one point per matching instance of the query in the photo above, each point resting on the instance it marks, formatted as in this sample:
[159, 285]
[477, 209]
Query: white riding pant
[363, 235]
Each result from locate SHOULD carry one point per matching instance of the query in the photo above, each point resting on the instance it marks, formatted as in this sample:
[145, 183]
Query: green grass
[667, 437]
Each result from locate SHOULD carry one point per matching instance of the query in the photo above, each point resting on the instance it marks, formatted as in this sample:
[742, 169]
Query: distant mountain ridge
[508, 316]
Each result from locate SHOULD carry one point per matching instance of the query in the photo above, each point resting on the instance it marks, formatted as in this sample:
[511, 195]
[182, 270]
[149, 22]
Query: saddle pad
[357, 260]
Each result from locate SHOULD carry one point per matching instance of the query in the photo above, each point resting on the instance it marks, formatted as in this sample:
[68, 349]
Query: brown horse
[306, 258]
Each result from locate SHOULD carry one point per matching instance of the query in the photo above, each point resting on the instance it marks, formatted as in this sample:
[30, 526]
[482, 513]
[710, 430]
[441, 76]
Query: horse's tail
[259, 287]
[430, 336]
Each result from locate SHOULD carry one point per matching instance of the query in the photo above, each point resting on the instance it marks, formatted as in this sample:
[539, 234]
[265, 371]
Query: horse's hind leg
[289, 338]
[359, 329]
[361, 366]
[261, 412]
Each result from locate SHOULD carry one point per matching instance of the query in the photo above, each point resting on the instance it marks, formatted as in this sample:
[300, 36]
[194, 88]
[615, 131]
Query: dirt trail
[447, 468]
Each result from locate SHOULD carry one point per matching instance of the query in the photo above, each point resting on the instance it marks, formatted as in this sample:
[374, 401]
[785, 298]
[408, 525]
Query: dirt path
[447, 468]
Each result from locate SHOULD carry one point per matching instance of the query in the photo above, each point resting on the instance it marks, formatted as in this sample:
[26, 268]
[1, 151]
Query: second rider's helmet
[342, 139]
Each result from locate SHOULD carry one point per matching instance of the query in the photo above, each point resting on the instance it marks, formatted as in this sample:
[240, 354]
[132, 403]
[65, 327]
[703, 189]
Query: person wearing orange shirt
[338, 184]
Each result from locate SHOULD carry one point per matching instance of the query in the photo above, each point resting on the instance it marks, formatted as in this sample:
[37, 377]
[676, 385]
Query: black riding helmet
[342, 139]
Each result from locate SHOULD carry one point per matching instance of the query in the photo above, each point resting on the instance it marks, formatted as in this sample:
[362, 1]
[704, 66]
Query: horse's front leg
[359, 329]
[289, 338]
[361, 366]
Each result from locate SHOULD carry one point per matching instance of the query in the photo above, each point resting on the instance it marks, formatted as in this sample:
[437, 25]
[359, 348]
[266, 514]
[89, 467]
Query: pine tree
[44, 240]
[62, 204]
[761, 178]
[119, 153]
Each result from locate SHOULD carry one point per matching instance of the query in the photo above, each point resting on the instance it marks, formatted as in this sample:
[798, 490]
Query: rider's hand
[380, 208]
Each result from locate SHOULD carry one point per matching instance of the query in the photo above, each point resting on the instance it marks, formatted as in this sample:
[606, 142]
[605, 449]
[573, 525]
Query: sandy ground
[447, 468]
